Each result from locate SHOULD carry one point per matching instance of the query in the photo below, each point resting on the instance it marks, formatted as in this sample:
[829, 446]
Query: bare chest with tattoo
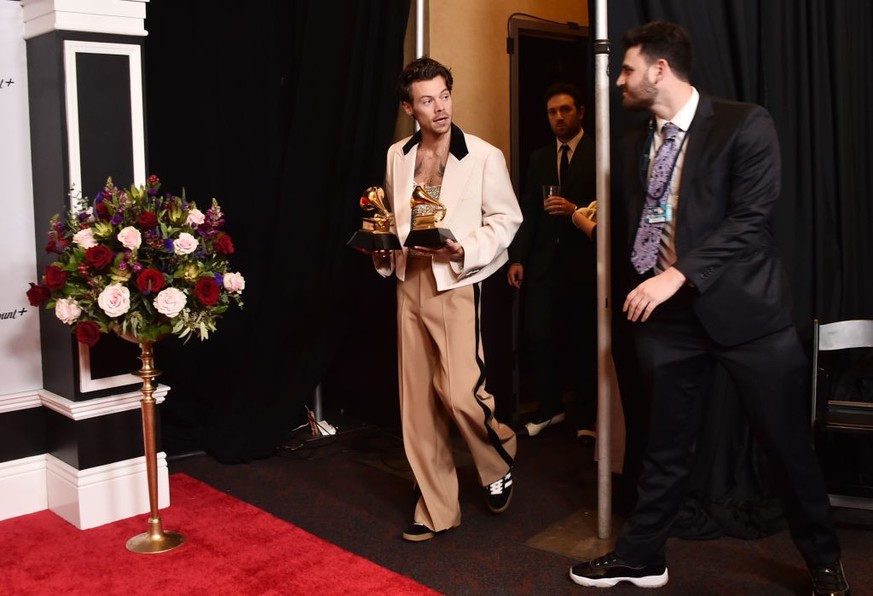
[430, 167]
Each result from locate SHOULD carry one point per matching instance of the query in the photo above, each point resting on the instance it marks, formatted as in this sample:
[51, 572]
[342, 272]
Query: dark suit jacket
[724, 243]
[541, 235]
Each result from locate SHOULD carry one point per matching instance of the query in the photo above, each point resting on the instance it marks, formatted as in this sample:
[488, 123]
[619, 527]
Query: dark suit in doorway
[558, 298]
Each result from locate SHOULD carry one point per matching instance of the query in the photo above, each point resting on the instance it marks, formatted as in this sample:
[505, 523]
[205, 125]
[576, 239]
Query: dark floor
[355, 491]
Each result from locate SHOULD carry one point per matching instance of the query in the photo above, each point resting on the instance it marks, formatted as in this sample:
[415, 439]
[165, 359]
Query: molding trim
[86, 381]
[103, 494]
[13, 402]
[100, 406]
[137, 119]
[85, 498]
[119, 17]
[23, 486]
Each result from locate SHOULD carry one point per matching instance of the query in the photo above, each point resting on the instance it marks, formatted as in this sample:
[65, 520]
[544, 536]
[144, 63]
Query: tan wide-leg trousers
[442, 380]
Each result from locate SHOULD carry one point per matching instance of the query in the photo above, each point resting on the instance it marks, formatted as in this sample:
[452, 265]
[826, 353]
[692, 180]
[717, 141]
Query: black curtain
[806, 62]
[282, 111]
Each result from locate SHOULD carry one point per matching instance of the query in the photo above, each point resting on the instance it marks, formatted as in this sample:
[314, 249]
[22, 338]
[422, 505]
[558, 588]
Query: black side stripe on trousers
[480, 382]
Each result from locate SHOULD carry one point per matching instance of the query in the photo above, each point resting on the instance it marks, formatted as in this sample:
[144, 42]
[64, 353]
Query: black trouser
[771, 373]
[559, 342]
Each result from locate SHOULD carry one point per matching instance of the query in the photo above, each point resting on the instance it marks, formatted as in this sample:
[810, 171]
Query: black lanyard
[645, 160]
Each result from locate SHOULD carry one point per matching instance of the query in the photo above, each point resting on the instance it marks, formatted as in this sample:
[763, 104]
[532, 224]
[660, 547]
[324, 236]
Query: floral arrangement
[139, 263]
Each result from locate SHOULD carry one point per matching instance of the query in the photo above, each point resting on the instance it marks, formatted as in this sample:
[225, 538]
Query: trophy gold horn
[375, 233]
[373, 198]
[427, 212]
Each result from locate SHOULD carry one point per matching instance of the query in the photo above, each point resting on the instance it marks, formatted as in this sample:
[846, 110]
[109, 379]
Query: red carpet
[230, 548]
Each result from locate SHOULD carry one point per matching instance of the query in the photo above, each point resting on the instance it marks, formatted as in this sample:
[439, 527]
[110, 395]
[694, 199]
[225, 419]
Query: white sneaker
[535, 428]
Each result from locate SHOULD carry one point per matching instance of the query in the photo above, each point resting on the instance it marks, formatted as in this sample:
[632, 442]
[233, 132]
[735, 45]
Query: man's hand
[515, 275]
[646, 297]
[556, 205]
[451, 250]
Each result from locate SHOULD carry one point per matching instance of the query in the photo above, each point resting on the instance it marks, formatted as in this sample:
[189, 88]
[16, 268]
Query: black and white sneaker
[608, 570]
[500, 493]
[418, 533]
[829, 580]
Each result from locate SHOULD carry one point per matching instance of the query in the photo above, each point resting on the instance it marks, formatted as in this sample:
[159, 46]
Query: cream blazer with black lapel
[482, 210]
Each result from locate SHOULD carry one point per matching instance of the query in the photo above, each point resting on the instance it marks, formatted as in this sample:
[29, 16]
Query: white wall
[20, 361]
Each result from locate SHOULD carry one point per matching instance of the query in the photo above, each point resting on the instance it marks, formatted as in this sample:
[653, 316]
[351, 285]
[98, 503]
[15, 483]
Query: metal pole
[420, 37]
[419, 28]
[604, 269]
[318, 403]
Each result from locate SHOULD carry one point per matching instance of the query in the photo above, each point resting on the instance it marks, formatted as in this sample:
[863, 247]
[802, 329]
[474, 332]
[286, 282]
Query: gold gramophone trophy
[427, 213]
[375, 233]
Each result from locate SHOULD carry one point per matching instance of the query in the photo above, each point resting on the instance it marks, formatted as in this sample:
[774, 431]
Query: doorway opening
[542, 52]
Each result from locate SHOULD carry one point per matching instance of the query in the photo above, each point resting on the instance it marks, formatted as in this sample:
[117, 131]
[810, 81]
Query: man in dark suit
[555, 267]
[709, 291]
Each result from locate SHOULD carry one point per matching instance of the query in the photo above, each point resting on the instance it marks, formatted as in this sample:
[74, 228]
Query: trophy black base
[430, 238]
[367, 241]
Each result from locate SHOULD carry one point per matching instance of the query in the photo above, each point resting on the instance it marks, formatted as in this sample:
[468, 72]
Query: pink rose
[114, 300]
[170, 302]
[185, 244]
[67, 310]
[130, 237]
[195, 217]
[234, 282]
[85, 238]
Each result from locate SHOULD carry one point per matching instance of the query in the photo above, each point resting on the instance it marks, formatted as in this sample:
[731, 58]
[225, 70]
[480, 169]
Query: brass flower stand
[155, 540]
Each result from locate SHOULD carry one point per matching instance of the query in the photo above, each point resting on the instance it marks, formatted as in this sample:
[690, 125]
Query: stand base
[368, 242]
[429, 237]
[147, 543]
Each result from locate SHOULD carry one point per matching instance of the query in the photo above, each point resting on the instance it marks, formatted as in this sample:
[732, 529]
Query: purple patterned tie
[648, 238]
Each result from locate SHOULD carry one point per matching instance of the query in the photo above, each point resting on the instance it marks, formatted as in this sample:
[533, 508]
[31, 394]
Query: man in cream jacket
[440, 357]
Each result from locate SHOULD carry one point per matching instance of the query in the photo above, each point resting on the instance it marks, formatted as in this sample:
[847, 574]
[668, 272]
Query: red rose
[55, 277]
[206, 291]
[88, 332]
[98, 257]
[38, 295]
[56, 245]
[150, 281]
[147, 220]
[223, 244]
[102, 210]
